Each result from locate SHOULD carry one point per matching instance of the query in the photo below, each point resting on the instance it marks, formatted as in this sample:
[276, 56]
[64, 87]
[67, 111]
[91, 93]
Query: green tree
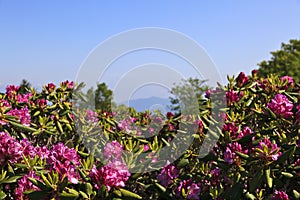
[185, 92]
[285, 61]
[24, 87]
[103, 97]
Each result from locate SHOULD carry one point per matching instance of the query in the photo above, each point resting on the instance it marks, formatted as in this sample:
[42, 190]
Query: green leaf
[58, 124]
[242, 155]
[12, 179]
[46, 181]
[255, 183]
[296, 194]
[89, 188]
[286, 155]
[37, 183]
[23, 127]
[287, 175]
[268, 178]
[162, 188]
[272, 114]
[2, 195]
[183, 162]
[127, 193]
[250, 196]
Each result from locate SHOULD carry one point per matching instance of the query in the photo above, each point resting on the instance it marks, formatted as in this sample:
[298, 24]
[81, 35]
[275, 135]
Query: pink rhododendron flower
[229, 154]
[290, 81]
[10, 149]
[69, 84]
[267, 150]
[113, 150]
[170, 115]
[50, 87]
[27, 148]
[42, 103]
[23, 98]
[245, 131]
[92, 116]
[64, 160]
[113, 175]
[231, 128]
[22, 115]
[281, 106]
[189, 187]
[167, 174]
[24, 184]
[242, 79]
[11, 91]
[232, 96]
[280, 195]
[42, 152]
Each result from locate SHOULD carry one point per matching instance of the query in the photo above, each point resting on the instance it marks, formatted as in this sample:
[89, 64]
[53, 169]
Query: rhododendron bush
[51, 149]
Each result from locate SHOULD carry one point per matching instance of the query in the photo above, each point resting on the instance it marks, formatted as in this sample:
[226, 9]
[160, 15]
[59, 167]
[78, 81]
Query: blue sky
[47, 41]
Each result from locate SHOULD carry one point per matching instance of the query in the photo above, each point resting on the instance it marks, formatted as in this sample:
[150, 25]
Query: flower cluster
[232, 96]
[92, 116]
[22, 115]
[242, 79]
[167, 174]
[113, 150]
[230, 155]
[24, 184]
[289, 81]
[280, 195]
[189, 189]
[281, 106]
[64, 160]
[115, 173]
[10, 149]
[267, 150]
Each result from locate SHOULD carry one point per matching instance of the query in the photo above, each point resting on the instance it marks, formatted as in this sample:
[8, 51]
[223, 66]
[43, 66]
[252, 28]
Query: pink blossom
[191, 188]
[24, 184]
[22, 115]
[170, 115]
[27, 148]
[281, 106]
[113, 150]
[242, 79]
[229, 154]
[232, 96]
[146, 147]
[23, 98]
[167, 174]
[92, 116]
[245, 131]
[11, 91]
[280, 195]
[64, 160]
[50, 87]
[231, 128]
[267, 150]
[42, 103]
[113, 175]
[69, 84]
[10, 149]
[290, 81]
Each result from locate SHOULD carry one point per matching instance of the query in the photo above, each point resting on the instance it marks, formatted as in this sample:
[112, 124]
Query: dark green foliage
[284, 62]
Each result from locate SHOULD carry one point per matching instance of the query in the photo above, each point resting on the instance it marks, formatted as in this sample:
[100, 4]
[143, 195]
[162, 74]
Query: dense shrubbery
[43, 155]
